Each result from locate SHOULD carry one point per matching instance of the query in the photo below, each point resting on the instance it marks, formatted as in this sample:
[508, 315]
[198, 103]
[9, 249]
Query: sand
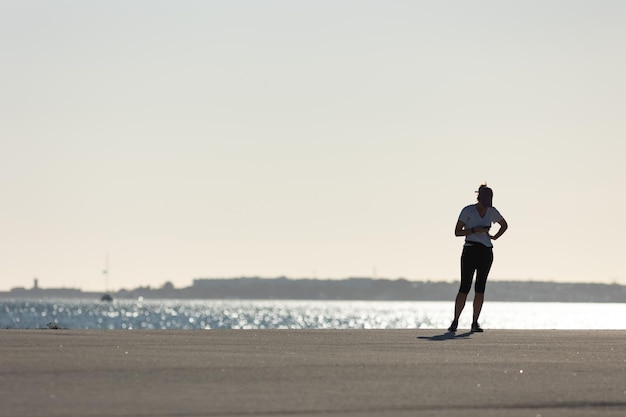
[312, 373]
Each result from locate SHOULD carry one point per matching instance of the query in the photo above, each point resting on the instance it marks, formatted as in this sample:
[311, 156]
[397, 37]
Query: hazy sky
[308, 139]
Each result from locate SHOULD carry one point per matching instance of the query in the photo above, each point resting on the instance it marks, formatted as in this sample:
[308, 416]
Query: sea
[299, 314]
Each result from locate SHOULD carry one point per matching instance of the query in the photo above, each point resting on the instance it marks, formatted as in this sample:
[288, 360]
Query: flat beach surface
[312, 372]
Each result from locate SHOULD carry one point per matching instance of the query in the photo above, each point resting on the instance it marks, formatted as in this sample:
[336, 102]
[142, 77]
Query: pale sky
[322, 139]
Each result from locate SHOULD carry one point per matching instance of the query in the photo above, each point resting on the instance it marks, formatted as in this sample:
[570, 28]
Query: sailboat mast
[106, 272]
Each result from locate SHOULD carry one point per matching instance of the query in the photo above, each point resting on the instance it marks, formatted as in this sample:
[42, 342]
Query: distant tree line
[350, 289]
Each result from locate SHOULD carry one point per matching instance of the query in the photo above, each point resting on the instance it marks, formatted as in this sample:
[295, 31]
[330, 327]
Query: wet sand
[312, 373]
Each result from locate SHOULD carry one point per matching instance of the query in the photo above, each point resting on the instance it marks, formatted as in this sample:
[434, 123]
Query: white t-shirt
[469, 215]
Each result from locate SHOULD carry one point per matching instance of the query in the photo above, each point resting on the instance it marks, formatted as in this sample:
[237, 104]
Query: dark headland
[344, 289]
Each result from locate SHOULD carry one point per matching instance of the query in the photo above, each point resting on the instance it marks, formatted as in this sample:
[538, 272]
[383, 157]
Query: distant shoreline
[351, 289]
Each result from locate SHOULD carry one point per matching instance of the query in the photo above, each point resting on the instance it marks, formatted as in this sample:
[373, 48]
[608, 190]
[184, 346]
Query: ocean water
[281, 314]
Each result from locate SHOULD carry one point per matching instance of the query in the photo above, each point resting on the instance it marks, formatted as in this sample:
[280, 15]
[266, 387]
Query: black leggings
[475, 258]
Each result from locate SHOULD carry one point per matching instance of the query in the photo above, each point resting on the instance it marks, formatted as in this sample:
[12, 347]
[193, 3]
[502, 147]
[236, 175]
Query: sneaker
[453, 326]
[476, 328]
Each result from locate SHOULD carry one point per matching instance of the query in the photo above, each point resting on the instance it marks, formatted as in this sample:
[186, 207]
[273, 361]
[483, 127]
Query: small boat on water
[106, 297]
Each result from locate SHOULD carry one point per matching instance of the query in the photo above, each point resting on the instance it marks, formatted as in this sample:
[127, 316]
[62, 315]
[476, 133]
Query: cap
[485, 196]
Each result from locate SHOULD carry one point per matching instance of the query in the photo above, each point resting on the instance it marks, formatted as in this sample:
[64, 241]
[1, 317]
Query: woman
[474, 223]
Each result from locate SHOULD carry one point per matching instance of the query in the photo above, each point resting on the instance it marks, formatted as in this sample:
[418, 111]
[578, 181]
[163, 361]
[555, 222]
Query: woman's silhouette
[474, 224]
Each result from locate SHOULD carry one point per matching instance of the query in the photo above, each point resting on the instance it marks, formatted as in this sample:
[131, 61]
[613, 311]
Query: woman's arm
[503, 226]
[460, 229]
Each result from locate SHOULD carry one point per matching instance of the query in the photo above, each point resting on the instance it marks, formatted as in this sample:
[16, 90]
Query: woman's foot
[453, 326]
[476, 327]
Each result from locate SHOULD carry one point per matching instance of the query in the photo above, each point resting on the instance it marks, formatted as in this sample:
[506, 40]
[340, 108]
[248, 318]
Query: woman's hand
[503, 226]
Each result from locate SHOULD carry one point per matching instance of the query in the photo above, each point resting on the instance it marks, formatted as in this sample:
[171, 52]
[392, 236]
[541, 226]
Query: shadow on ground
[446, 336]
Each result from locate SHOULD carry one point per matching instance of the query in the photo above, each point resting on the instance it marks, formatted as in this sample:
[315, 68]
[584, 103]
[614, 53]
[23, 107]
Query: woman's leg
[482, 272]
[468, 266]
[459, 304]
[479, 298]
